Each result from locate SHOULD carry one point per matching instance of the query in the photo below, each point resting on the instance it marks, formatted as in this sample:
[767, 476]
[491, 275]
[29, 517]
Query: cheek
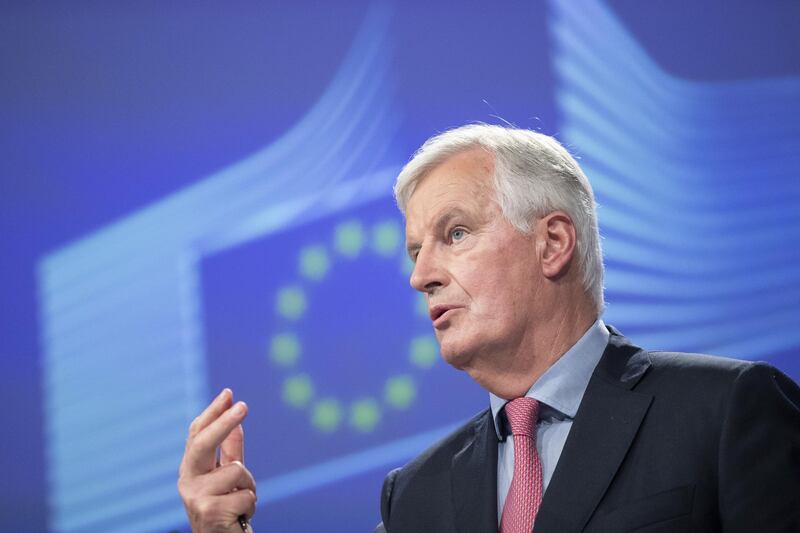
[498, 284]
[497, 304]
[504, 299]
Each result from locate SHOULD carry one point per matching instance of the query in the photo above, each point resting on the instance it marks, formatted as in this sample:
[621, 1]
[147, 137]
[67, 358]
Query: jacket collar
[604, 428]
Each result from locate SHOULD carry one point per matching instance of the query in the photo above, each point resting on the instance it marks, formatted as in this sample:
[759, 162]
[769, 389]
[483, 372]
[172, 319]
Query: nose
[428, 274]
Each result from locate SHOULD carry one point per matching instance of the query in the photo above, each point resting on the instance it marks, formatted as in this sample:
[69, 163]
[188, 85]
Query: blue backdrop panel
[699, 249]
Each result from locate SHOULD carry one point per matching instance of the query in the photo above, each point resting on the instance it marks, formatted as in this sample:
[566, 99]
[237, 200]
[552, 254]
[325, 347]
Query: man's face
[479, 274]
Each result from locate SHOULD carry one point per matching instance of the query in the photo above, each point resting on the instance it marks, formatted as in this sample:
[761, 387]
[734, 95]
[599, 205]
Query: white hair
[533, 176]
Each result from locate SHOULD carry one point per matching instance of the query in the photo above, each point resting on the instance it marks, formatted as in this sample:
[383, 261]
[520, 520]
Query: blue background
[164, 169]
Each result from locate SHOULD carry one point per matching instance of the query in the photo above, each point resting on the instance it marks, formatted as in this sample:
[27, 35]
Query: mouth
[440, 313]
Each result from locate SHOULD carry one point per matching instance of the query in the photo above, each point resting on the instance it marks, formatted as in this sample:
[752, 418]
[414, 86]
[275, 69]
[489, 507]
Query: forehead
[462, 182]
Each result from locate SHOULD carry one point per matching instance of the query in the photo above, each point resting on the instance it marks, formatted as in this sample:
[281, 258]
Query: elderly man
[585, 431]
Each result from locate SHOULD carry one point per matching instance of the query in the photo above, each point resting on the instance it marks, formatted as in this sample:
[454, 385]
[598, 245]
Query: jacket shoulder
[706, 371]
[710, 386]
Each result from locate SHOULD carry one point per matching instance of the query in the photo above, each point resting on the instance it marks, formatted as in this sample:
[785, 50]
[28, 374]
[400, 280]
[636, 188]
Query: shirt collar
[560, 389]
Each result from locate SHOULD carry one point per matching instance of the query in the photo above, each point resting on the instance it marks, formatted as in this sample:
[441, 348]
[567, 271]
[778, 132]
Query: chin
[454, 355]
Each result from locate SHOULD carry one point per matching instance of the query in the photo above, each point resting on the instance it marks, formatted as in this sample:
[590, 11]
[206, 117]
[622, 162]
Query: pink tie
[525, 494]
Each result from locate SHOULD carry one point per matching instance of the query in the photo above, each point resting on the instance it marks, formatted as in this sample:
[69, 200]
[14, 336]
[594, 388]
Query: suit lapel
[606, 423]
[474, 480]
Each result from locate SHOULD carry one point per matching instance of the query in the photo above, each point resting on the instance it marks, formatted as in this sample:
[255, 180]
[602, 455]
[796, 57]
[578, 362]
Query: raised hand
[216, 493]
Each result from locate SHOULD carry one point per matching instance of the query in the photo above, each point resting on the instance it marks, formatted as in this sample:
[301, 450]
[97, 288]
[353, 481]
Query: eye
[457, 234]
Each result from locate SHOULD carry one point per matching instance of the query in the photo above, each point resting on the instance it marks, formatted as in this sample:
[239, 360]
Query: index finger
[217, 406]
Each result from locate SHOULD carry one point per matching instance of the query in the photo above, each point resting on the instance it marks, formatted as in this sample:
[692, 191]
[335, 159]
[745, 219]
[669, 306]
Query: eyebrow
[442, 221]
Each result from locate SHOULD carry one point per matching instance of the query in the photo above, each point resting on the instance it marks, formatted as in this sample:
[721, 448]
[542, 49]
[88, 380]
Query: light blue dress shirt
[559, 391]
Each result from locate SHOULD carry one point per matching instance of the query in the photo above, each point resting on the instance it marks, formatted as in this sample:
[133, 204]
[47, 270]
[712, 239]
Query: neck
[552, 337]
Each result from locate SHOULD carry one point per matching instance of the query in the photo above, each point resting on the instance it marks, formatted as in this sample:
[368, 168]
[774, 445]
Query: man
[585, 431]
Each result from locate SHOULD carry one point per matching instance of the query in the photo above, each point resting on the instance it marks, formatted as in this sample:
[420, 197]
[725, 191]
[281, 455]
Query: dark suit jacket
[661, 442]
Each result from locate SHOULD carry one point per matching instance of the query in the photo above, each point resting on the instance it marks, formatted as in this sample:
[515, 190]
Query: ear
[558, 240]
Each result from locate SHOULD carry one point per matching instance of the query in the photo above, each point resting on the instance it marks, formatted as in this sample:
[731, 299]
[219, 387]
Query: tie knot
[522, 414]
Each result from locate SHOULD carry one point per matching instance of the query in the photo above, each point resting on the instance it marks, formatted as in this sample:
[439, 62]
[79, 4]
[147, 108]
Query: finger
[228, 478]
[232, 448]
[217, 406]
[200, 456]
[242, 502]
[222, 512]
